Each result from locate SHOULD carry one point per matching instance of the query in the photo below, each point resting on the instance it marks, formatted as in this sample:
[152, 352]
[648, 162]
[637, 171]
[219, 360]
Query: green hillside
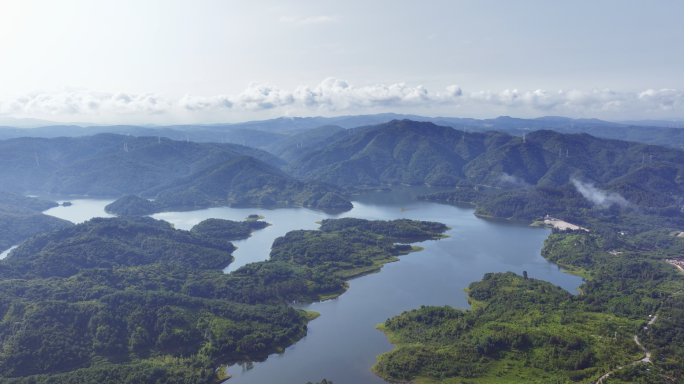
[291, 147]
[552, 158]
[409, 152]
[520, 331]
[246, 181]
[632, 224]
[21, 218]
[132, 205]
[228, 229]
[399, 152]
[109, 295]
[655, 189]
[134, 300]
[108, 164]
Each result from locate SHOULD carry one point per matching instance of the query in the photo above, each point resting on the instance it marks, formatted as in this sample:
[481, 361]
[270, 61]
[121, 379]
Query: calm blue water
[81, 210]
[342, 344]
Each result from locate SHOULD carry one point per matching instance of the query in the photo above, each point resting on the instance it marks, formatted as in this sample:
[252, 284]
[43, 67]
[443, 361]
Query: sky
[206, 61]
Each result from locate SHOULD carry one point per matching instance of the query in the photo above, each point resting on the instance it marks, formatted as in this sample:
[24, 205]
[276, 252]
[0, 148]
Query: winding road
[645, 359]
[647, 354]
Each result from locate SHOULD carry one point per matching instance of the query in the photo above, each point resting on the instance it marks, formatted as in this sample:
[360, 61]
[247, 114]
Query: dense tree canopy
[133, 300]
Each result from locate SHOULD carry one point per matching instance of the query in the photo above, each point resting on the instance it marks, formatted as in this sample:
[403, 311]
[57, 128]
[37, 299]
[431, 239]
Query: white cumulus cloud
[84, 103]
[334, 94]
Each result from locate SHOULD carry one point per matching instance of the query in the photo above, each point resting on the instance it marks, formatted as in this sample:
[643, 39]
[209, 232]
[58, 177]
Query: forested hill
[21, 218]
[244, 181]
[552, 158]
[409, 152]
[14, 203]
[132, 300]
[398, 152]
[108, 164]
[291, 147]
[652, 189]
[110, 301]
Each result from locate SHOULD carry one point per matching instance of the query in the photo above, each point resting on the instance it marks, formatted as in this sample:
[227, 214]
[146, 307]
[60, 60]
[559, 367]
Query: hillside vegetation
[239, 182]
[409, 152]
[654, 189]
[108, 164]
[21, 218]
[520, 330]
[134, 300]
[627, 281]
[228, 229]
[399, 152]
[291, 147]
[132, 205]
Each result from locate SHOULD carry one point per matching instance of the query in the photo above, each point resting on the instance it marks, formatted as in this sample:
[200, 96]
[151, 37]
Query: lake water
[342, 344]
[81, 209]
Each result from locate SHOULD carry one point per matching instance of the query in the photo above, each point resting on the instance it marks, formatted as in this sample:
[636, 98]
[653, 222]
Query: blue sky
[172, 61]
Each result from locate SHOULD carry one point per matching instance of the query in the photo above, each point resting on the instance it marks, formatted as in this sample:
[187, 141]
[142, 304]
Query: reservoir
[341, 345]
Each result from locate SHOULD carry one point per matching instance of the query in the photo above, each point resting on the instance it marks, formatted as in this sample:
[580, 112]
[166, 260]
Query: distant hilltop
[351, 121]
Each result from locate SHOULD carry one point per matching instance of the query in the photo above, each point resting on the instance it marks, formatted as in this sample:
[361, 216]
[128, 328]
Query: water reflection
[81, 209]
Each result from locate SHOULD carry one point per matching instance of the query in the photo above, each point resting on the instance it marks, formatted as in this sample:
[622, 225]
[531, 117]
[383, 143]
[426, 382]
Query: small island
[132, 205]
[228, 229]
[254, 217]
[67, 204]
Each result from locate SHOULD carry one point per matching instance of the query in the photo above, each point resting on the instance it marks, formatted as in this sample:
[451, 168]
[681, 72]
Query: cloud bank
[334, 94]
[597, 196]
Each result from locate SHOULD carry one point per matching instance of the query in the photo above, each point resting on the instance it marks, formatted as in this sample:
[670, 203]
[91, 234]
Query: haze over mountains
[290, 123]
[108, 164]
[274, 132]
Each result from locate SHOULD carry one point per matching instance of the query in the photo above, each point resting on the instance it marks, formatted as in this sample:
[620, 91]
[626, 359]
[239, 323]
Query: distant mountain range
[35, 123]
[275, 132]
[295, 123]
